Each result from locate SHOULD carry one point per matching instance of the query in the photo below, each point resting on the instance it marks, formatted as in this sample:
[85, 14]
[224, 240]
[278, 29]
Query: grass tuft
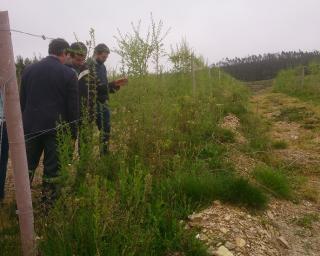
[274, 180]
[280, 144]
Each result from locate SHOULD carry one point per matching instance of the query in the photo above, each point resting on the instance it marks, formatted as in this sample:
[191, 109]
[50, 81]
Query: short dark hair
[58, 46]
[101, 48]
[78, 48]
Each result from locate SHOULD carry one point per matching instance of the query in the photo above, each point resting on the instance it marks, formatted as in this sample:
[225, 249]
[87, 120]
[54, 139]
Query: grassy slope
[167, 160]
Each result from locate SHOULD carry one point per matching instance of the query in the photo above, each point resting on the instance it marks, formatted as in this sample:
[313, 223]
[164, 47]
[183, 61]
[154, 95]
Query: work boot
[49, 195]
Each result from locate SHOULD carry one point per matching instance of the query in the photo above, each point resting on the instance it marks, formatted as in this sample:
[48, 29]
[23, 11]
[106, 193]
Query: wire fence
[44, 37]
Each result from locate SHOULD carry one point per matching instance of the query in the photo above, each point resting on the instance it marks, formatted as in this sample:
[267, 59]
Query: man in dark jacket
[49, 94]
[94, 87]
[76, 61]
[102, 88]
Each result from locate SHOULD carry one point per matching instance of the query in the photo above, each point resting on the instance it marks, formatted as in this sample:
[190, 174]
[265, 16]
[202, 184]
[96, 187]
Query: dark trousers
[103, 123]
[47, 144]
[4, 155]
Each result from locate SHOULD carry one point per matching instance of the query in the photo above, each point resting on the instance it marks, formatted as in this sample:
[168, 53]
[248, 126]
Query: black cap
[100, 48]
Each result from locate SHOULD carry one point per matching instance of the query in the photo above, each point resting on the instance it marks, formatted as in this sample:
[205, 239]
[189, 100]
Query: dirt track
[286, 228]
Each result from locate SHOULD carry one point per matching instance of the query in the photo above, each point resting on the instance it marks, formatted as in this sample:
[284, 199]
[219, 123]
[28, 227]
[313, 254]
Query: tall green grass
[301, 84]
[167, 160]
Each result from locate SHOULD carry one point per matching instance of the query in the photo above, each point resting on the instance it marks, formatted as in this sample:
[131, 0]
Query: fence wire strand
[44, 37]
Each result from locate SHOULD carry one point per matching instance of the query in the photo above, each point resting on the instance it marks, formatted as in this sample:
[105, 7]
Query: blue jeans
[103, 123]
[3, 157]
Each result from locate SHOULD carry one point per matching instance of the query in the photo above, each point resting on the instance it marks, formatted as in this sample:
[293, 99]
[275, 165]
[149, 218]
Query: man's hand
[121, 82]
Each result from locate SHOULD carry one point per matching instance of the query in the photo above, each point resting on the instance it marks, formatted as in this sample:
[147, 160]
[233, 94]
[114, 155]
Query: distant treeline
[21, 64]
[266, 66]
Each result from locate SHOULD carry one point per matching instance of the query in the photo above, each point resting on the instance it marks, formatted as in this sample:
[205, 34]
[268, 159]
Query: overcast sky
[214, 28]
